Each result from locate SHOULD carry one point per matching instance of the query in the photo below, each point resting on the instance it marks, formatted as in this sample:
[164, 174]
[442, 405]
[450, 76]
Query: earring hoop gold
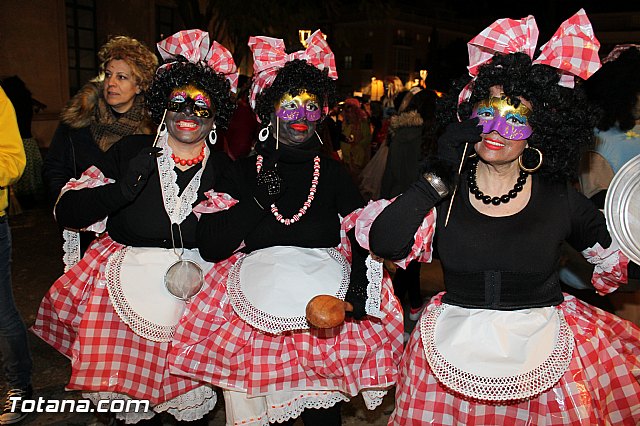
[523, 168]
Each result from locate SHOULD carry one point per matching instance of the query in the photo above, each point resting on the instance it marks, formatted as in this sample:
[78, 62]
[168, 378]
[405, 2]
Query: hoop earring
[264, 133]
[212, 137]
[523, 168]
[319, 138]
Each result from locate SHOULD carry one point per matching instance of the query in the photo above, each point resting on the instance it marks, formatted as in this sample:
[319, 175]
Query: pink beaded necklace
[307, 204]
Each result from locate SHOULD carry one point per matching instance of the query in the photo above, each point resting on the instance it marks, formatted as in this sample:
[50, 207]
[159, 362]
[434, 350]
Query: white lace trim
[70, 248]
[374, 288]
[189, 406]
[373, 398]
[506, 389]
[265, 321]
[178, 208]
[138, 324]
[294, 407]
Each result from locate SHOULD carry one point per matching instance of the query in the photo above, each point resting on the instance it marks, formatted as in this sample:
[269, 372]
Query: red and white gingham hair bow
[573, 49]
[269, 56]
[195, 46]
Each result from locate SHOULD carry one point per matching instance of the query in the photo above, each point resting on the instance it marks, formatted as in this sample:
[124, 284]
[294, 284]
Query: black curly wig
[562, 119]
[180, 73]
[615, 88]
[295, 77]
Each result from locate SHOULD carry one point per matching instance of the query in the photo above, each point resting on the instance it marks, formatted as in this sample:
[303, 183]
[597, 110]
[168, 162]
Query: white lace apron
[496, 356]
[135, 281]
[270, 288]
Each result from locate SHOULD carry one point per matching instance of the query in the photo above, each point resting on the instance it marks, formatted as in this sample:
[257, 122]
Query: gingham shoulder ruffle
[422, 249]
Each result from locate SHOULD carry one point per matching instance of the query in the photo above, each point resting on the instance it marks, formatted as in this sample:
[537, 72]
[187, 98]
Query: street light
[303, 35]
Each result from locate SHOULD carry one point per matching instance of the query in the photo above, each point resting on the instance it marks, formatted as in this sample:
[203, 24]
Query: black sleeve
[391, 235]
[78, 209]
[58, 164]
[220, 234]
[588, 225]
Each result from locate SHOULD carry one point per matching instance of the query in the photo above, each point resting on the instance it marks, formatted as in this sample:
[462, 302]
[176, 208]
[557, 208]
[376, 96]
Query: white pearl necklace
[307, 204]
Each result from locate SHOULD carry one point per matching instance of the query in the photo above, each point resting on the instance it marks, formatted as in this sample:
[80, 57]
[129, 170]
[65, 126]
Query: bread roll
[325, 311]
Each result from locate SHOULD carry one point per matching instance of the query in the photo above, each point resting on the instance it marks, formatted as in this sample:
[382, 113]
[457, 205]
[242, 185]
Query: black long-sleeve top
[144, 221]
[495, 262]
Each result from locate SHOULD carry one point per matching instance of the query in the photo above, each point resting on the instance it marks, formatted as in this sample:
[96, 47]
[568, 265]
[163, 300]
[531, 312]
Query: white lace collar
[178, 208]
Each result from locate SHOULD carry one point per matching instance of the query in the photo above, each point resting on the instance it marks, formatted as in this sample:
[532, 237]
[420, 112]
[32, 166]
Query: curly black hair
[295, 77]
[615, 89]
[180, 73]
[562, 119]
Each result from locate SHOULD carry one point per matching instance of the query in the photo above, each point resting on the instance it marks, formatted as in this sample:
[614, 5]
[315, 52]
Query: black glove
[357, 292]
[451, 143]
[141, 167]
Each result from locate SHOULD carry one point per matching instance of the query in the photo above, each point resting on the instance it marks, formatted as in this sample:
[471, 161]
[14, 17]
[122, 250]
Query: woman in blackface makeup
[285, 238]
[114, 312]
[503, 344]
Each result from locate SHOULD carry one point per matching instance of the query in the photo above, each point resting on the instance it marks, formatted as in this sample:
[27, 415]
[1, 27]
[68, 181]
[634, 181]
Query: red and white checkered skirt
[212, 343]
[77, 318]
[601, 385]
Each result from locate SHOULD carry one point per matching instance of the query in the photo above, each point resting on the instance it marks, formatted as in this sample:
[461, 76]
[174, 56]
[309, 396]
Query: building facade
[52, 44]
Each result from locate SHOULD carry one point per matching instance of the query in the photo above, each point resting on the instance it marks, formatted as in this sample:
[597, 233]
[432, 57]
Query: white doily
[498, 388]
[272, 292]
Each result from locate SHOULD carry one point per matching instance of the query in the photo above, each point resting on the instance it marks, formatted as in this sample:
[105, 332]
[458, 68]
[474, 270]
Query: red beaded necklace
[191, 161]
[307, 204]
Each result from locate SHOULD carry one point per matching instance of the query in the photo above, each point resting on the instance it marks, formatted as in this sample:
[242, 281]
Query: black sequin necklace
[488, 199]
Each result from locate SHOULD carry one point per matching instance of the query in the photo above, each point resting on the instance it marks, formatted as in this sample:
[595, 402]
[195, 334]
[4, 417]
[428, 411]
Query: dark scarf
[301, 153]
[107, 128]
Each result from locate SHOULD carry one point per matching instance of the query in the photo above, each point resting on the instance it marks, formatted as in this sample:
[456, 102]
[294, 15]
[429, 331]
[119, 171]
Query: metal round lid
[622, 209]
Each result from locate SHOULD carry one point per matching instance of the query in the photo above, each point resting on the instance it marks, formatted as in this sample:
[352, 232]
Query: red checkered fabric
[215, 202]
[213, 344]
[573, 49]
[503, 36]
[611, 267]
[269, 56]
[195, 46]
[76, 318]
[422, 249]
[600, 387]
